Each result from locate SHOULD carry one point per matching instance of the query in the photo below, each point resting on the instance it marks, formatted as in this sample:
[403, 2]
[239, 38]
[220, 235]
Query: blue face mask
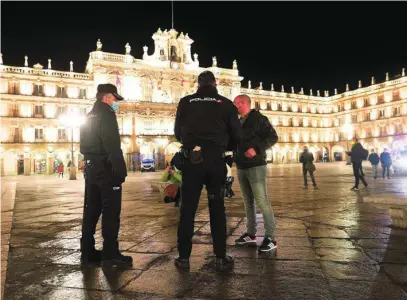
[115, 106]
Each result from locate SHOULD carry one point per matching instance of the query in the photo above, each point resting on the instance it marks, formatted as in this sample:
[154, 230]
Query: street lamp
[347, 129]
[72, 120]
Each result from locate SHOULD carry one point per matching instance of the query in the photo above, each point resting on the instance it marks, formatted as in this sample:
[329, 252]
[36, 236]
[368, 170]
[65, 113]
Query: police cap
[108, 88]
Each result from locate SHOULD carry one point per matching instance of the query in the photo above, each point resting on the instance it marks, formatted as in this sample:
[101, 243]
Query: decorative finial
[249, 85]
[387, 76]
[99, 45]
[214, 62]
[159, 31]
[49, 64]
[360, 84]
[347, 87]
[26, 61]
[195, 57]
[318, 93]
[272, 87]
[282, 88]
[128, 49]
[336, 91]
[234, 65]
[326, 93]
[71, 66]
[373, 81]
[292, 90]
[1, 59]
[302, 91]
[310, 92]
[261, 85]
[145, 48]
[403, 72]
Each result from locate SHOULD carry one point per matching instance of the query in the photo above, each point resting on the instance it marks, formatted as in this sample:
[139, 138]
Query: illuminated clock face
[175, 66]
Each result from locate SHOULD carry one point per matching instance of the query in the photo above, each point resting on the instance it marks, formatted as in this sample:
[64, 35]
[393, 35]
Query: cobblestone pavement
[331, 245]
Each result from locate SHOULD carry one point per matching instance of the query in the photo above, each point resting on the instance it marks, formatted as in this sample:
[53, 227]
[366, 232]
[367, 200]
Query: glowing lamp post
[72, 120]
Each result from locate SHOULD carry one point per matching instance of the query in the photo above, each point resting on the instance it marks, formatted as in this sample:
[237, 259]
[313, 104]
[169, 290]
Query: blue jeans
[253, 184]
[374, 170]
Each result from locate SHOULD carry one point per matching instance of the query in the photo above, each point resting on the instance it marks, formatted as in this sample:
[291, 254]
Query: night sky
[319, 45]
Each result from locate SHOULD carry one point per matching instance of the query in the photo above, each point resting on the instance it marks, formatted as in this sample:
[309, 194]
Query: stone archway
[170, 150]
[338, 153]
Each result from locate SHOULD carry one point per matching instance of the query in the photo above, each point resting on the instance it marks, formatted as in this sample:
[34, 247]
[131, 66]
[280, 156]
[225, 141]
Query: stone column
[2, 166]
[136, 148]
[27, 165]
[50, 164]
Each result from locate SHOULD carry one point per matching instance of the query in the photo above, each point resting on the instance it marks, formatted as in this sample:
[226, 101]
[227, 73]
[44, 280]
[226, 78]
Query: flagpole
[172, 14]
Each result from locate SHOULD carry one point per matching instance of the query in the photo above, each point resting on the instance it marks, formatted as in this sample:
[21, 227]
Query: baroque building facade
[34, 101]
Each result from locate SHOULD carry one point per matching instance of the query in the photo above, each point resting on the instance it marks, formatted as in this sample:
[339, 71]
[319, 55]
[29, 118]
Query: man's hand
[250, 153]
[171, 171]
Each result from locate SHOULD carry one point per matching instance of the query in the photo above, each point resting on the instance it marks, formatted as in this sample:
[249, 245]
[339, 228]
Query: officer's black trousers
[212, 174]
[357, 166]
[101, 197]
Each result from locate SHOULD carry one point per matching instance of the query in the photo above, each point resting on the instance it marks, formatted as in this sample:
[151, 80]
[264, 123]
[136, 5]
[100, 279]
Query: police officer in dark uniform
[105, 171]
[204, 123]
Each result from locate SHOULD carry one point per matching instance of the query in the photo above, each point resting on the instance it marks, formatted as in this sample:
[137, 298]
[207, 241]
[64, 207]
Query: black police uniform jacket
[100, 142]
[258, 134]
[207, 119]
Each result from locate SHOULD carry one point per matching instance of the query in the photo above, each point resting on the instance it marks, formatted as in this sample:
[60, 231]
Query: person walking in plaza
[307, 159]
[385, 160]
[60, 170]
[374, 161]
[358, 154]
[105, 172]
[258, 136]
[204, 123]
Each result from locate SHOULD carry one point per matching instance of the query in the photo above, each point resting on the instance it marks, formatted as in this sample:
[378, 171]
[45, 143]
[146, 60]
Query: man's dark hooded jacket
[258, 134]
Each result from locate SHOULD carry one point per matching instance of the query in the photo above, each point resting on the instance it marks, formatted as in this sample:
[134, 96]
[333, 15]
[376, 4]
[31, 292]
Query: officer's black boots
[182, 263]
[116, 260]
[224, 263]
[91, 257]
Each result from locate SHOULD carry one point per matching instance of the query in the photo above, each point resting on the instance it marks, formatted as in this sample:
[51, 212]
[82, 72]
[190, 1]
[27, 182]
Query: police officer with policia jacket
[204, 123]
[105, 171]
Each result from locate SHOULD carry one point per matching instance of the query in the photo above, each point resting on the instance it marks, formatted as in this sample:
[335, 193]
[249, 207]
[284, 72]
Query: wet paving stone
[39, 256]
[316, 232]
[25, 291]
[353, 271]
[75, 293]
[342, 255]
[158, 282]
[397, 272]
[387, 255]
[293, 269]
[345, 290]
[331, 245]
[294, 289]
[152, 247]
[225, 286]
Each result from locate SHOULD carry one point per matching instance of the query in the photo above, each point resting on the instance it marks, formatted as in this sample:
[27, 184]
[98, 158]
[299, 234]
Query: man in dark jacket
[258, 136]
[385, 160]
[204, 124]
[105, 171]
[374, 161]
[358, 154]
[307, 159]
